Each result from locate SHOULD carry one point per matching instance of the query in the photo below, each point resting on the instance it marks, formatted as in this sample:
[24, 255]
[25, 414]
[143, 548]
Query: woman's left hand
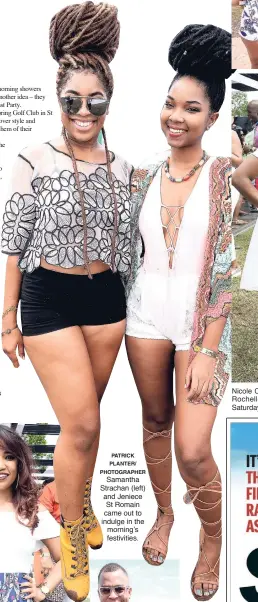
[30, 590]
[199, 377]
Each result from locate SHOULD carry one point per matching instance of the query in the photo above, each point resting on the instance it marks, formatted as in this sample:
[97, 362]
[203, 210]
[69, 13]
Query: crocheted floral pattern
[49, 223]
[18, 222]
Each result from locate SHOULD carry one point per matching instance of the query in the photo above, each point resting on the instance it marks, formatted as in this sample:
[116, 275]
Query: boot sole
[96, 547]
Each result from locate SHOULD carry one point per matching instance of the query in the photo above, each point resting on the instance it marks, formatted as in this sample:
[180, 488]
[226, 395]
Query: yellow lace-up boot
[92, 526]
[74, 559]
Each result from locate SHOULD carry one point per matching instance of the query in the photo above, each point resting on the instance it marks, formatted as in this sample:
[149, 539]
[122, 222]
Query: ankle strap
[192, 495]
[193, 492]
[155, 461]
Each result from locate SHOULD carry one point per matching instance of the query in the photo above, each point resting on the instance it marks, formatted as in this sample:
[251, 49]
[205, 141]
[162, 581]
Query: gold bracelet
[205, 351]
[11, 308]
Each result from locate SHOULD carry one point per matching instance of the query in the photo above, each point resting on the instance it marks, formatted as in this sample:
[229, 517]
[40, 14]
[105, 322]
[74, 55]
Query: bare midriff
[95, 268]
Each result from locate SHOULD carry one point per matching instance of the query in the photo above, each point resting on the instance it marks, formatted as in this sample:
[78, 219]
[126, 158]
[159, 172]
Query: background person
[242, 180]
[24, 525]
[113, 583]
[237, 158]
[249, 30]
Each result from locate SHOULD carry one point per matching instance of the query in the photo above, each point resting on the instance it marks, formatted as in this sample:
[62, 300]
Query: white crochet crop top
[43, 216]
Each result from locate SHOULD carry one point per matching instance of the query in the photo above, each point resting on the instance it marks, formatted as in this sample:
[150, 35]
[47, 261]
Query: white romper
[161, 303]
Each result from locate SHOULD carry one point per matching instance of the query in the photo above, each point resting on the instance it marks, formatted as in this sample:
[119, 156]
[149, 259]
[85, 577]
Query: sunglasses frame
[88, 99]
[113, 588]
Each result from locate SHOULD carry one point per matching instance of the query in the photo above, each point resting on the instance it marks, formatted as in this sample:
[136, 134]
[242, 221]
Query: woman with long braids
[179, 296]
[24, 524]
[249, 30]
[66, 228]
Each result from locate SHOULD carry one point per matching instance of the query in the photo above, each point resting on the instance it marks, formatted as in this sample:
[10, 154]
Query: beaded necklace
[189, 174]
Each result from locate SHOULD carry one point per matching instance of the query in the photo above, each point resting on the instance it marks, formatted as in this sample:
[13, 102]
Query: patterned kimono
[213, 299]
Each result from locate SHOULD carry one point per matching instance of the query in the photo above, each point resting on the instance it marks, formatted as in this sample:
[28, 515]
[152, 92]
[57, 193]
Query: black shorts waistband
[45, 273]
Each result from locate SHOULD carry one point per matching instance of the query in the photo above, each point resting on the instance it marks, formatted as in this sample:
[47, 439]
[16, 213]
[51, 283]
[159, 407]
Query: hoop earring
[17, 482]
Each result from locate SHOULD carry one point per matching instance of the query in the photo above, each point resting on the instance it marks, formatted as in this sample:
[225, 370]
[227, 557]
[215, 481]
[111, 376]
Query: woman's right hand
[11, 343]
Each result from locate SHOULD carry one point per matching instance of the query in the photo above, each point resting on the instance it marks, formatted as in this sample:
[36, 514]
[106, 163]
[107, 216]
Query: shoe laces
[80, 555]
[89, 516]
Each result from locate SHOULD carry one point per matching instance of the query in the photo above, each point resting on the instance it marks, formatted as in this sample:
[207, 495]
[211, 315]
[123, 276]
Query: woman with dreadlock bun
[66, 228]
[179, 296]
[24, 524]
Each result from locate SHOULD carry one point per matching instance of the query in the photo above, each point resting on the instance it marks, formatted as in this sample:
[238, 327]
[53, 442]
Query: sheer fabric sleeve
[19, 215]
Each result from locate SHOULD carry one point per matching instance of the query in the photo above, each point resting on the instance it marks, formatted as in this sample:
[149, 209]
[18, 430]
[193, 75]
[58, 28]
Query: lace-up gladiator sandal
[211, 576]
[93, 529]
[74, 559]
[149, 549]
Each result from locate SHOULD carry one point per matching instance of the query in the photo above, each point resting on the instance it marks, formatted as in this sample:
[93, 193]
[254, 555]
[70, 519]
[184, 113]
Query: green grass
[236, 17]
[244, 321]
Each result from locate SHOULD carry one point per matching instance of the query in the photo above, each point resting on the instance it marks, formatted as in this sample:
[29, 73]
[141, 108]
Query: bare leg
[108, 339]
[63, 364]
[193, 427]
[151, 362]
[252, 49]
[236, 220]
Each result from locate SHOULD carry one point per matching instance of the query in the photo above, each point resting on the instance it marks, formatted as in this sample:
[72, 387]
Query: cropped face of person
[8, 469]
[252, 112]
[114, 586]
[186, 113]
[80, 123]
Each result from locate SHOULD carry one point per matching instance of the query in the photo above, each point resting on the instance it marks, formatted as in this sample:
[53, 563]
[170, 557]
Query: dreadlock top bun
[85, 28]
[203, 51]
[85, 37]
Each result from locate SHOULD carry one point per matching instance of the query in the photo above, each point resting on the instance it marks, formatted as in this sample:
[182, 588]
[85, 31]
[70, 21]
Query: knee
[82, 434]
[157, 419]
[192, 459]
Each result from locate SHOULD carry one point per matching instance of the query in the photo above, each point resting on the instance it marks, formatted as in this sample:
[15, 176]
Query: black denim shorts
[53, 300]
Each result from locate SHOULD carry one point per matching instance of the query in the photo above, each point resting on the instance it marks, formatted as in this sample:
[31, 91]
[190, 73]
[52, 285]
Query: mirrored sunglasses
[72, 105]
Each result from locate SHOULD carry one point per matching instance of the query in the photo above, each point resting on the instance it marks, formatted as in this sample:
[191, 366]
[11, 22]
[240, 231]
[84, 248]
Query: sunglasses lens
[70, 104]
[119, 589]
[97, 106]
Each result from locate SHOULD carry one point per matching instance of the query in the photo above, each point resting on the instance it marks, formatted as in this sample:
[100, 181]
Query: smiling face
[186, 113]
[83, 127]
[110, 580]
[8, 469]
